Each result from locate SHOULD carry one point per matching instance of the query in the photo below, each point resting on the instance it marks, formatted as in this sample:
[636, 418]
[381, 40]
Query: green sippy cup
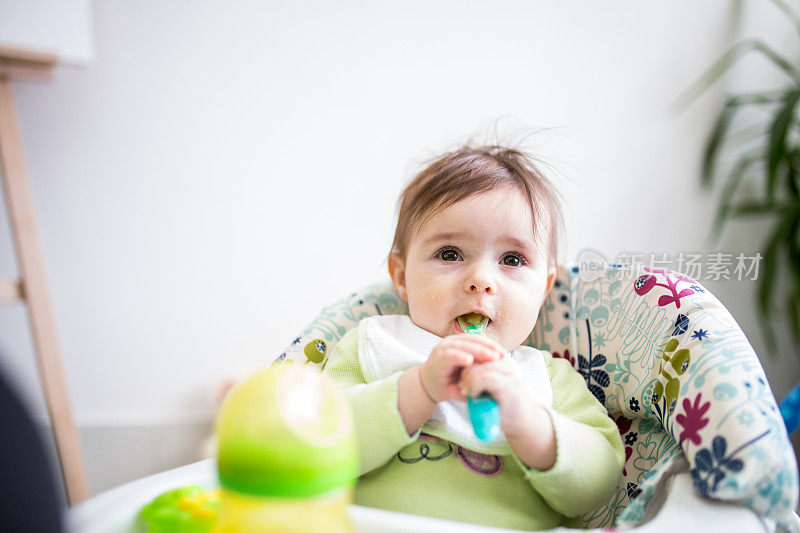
[484, 413]
[287, 456]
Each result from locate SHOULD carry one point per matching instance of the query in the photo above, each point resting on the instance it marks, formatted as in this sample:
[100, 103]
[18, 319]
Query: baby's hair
[468, 171]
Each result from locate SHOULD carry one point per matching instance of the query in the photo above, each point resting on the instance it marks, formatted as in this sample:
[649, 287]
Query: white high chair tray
[115, 511]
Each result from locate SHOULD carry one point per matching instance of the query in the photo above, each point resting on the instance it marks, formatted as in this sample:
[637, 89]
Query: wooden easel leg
[43, 328]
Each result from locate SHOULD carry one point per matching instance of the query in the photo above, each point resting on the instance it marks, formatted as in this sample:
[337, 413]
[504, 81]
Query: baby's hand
[505, 381]
[441, 372]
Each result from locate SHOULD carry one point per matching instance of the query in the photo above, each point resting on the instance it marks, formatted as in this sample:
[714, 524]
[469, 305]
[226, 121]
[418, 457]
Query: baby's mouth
[474, 323]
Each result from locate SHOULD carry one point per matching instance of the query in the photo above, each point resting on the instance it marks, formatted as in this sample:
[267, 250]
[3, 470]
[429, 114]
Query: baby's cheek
[524, 318]
[427, 310]
[535, 306]
[433, 295]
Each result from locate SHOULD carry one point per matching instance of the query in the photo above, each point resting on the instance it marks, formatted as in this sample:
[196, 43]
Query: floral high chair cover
[671, 365]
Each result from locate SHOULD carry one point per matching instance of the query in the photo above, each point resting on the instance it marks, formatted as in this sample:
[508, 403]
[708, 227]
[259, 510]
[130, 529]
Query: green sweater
[425, 475]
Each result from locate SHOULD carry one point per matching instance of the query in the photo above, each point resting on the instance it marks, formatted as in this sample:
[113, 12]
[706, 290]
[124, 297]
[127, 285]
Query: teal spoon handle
[484, 413]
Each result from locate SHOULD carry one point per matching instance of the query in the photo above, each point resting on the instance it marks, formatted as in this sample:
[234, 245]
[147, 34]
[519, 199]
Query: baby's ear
[551, 278]
[397, 270]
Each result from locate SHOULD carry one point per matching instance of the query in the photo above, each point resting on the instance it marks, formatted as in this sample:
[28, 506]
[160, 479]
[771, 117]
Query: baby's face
[478, 255]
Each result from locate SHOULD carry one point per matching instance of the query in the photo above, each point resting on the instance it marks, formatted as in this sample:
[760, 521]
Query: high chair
[677, 375]
[706, 448]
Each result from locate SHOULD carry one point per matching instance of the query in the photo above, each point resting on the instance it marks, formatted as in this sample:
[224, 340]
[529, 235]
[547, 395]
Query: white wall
[225, 169]
[63, 27]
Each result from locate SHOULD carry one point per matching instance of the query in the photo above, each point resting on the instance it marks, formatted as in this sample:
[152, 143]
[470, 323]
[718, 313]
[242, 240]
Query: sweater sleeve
[379, 428]
[589, 450]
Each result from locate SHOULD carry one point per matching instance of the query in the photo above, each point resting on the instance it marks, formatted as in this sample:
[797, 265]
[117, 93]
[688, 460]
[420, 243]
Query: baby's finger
[467, 380]
[455, 358]
[493, 356]
[491, 341]
[506, 366]
[488, 341]
[480, 340]
[481, 352]
[482, 380]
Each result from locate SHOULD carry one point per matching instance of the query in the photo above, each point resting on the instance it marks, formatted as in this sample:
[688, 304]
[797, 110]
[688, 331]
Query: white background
[63, 27]
[222, 170]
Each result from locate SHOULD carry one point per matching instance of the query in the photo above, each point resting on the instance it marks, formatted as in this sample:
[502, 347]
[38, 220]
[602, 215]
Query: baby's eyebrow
[443, 237]
[517, 243]
[505, 239]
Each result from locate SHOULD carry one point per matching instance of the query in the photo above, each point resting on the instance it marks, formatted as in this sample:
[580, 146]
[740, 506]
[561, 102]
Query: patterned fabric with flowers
[670, 364]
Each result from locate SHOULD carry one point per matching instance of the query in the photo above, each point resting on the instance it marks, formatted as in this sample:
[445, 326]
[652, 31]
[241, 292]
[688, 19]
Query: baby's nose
[479, 280]
[482, 287]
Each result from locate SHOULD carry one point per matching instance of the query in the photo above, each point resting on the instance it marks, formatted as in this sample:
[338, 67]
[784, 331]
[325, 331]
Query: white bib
[393, 343]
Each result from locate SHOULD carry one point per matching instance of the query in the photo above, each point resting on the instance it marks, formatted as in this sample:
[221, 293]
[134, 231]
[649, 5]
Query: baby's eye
[512, 260]
[448, 254]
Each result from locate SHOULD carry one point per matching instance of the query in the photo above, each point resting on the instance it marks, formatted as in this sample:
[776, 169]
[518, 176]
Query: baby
[477, 232]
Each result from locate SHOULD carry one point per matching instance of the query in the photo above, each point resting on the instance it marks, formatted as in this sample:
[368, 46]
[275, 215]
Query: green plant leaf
[693, 92]
[732, 105]
[769, 97]
[758, 208]
[793, 299]
[770, 263]
[776, 147]
[789, 12]
[793, 303]
[724, 206]
[747, 134]
[793, 187]
[714, 142]
[777, 59]
[764, 293]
